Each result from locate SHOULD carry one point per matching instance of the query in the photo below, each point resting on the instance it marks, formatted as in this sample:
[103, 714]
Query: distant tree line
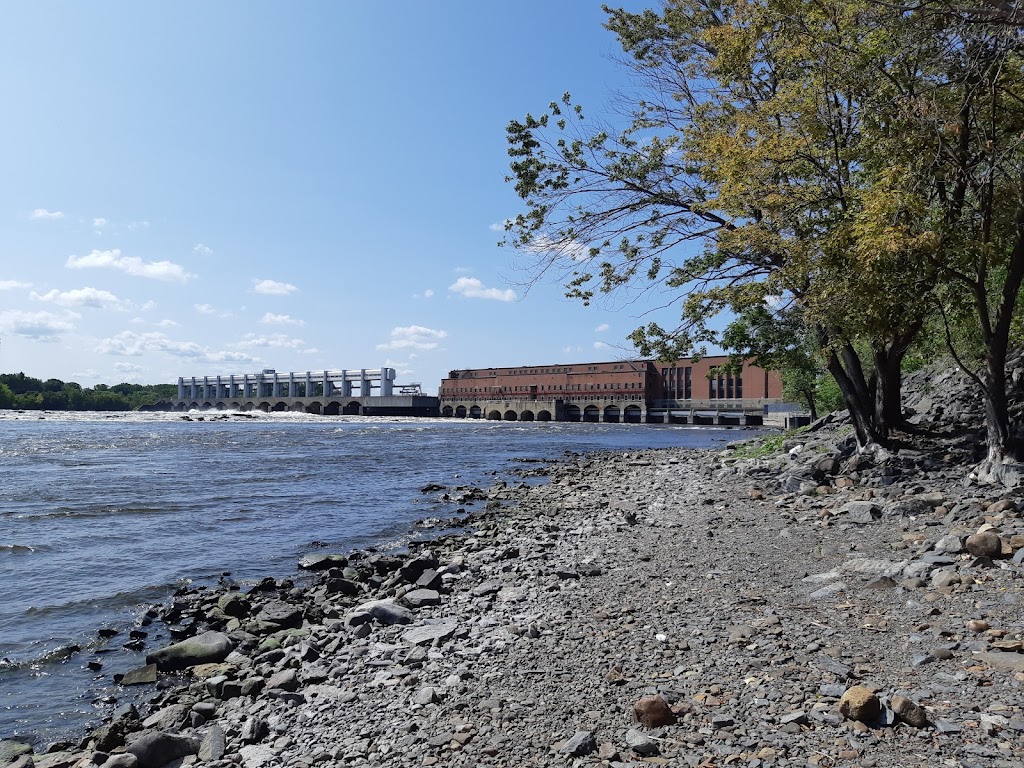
[19, 391]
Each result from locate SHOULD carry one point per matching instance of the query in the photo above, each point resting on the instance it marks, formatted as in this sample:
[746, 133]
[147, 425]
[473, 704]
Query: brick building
[620, 390]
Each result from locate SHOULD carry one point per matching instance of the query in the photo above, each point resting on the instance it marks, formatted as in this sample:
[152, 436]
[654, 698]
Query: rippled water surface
[102, 515]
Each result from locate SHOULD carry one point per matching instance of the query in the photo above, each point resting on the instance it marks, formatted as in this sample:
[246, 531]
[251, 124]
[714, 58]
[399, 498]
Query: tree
[737, 181]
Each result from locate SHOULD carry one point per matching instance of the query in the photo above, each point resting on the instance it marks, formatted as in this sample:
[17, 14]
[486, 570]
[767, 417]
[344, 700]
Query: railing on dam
[271, 383]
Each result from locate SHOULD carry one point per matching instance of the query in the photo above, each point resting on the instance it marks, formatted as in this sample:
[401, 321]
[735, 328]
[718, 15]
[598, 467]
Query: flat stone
[387, 612]
[257, 755]
[418, 598]
[213, 744]
[641, 743]
[909, 711]
[429, 633]
[140, 676]
[1002, 661]
[322, 562]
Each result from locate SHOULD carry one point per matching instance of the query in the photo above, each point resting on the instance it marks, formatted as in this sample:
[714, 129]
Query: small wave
[146, 594]
[92, 512]
[17, 549]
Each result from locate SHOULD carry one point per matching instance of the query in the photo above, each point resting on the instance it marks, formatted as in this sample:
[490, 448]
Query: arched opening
[448, 411]
[572, 413]
[632, 414]
[510, 415]
[544, 416]
[494, 416]
[460, 412]
[526, 416]
[281, 406]
[314, 407]
[591, 413]
[611, 414]
[206, 407]
[354, 408]
[236, 407]
[332, 408]
[475, 412]
[221, 406]
[732, 419]
[265, 407]
[193, 406]
[298, 408]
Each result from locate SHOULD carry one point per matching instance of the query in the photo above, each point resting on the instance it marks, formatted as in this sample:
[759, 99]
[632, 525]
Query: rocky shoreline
[817, 606]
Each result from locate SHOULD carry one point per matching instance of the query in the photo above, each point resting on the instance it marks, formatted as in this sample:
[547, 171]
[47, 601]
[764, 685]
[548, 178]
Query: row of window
[545, 388]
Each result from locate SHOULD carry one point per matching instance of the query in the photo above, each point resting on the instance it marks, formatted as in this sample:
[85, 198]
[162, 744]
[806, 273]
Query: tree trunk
[888, 373]
[855, 398]
[811, 405]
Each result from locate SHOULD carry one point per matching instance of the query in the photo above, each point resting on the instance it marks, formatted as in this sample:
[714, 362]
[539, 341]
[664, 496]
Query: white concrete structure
[377, 382]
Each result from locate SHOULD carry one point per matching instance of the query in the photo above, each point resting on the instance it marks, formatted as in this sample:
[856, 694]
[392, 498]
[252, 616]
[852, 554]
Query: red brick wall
[646, 379]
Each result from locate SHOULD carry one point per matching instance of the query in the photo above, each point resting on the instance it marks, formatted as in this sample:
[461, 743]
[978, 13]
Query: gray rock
[641, 743]
[121, 760]
[322, 562]
[418, 598]
[950, 545]
[257, 756]
[945, 578]
[861, 512]
[155, 749]
[140, 676]
[167, 719]
[213, 745]
[1002, 660]
[285, 680]
[206, 648]
[429, 633]
[11, 750]
[424, 696]
[386, 612]
[582, 743]
[284, 615]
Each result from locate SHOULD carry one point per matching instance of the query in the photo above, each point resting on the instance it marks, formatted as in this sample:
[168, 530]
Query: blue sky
[199, 188]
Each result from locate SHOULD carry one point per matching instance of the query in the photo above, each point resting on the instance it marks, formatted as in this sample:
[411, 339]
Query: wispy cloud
[601, 345]
[427, 294]
[84, 297]
[41, 326]
[273, 319]
[99, 222]
[11, 285]
[131, 265]
[274, 340]
[602, 328]
[413, 337]
[42, 213]
[273, 287]
[131, 344]
[402, 369]
[472, 288]
[202, 249]
[167, 323]
[571, 350]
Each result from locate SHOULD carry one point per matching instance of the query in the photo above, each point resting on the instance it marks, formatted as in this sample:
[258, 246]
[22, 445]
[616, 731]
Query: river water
[102, 515]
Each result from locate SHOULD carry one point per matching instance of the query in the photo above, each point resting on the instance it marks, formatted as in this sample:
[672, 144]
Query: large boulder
[154, 749]
[207, 648]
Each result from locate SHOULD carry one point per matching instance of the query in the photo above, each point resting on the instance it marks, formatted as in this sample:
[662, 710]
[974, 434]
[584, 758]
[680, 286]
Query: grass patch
[764, 446]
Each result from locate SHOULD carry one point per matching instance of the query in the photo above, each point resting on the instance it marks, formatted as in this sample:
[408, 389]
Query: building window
[739, 386]
[713, 388]
[686, 383]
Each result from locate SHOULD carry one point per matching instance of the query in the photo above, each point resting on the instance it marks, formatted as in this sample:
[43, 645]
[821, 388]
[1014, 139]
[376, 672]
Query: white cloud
[89, 374]
[601, 345]
[462, 270]
[83, 297]
[429, 293]
[99, 222]
[276, 340]
[272, 319]
[167, 323]
[128, 371]
[131, 265]
[571, 249]
[413, 337]
[131, 344]
[41, 326]
[138, 320]
[42, 213]
[202, 249]
[10, 285]
[205, 309]
[273, 287]
[602, 328]
[401, 369]
[472, 288]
